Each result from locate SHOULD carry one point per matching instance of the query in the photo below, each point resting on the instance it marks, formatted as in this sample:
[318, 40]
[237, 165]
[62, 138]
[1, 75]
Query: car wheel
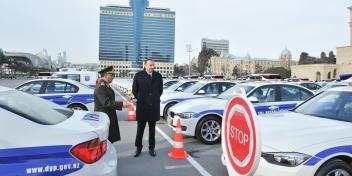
[209, 130]
[335, 167]
[166, 109]
[78, 107]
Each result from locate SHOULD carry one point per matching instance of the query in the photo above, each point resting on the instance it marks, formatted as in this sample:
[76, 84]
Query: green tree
[258, 68]
[303, 58]
[203, 59]
[323, 55]
[179, 71]
[2, 56]
[279, 70]
[235, 72]
[332, 58]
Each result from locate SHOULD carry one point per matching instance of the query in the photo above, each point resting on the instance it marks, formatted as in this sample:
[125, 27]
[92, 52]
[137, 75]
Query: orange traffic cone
[131, 113]
[178, 151]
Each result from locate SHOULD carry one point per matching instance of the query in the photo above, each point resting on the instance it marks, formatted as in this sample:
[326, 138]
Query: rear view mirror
[253, 99]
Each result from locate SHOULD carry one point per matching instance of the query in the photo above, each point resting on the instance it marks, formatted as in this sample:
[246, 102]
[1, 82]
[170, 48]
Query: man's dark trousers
[140, 130]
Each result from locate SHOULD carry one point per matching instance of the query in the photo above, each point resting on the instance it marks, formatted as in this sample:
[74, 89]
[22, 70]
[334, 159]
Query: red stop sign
[240, 136]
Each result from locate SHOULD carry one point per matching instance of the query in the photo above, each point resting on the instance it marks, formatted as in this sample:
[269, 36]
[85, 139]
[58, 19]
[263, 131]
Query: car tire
[167, 107]
[78, 107]
[334, 167]
[208, 130]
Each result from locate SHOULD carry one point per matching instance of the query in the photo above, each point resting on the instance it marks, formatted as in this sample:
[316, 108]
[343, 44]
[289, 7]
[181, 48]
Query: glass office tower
[133, 34]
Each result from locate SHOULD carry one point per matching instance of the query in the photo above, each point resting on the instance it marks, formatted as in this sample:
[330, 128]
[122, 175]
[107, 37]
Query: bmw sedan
[38, 137]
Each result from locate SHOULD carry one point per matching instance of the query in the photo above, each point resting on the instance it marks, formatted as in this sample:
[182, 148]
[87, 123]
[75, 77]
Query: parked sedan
[39, 137]
[65, 92]
[202, 117]
[313, 139]
[197, 90]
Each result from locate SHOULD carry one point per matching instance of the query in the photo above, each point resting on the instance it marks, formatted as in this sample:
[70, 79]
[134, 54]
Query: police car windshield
[174, 86]
[233, 90]
[193, 88]
[335, 105]
[33, 108]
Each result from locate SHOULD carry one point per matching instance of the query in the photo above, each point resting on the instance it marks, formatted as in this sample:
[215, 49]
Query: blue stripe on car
[78, 98]
[93, 117]
[214, 111]
[42, 160]
[178, 100]
[328, 152]
[265, 109]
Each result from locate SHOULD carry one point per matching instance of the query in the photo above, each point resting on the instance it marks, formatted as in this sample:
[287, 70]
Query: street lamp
[189, 50]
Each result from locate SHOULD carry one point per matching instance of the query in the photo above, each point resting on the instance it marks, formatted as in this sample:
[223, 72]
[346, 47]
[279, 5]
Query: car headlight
[289, 159]
[186, 115]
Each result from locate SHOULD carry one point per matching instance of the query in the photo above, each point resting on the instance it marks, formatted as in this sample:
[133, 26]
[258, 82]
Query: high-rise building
[220, 46]
[130, 35]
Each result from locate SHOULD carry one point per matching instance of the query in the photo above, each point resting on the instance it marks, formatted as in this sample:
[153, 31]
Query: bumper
[162, 106]
[188, 126]
[266, 168]
[106, 166]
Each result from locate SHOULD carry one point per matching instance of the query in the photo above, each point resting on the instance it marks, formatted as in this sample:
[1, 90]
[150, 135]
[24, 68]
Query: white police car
[202, 117]
[65, 92]
[197, 90]
[313, 139]
[38, 137]
[179, 86]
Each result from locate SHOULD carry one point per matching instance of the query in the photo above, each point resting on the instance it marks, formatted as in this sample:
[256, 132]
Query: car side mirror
[201, 92]
[253, 99]
[179, 89]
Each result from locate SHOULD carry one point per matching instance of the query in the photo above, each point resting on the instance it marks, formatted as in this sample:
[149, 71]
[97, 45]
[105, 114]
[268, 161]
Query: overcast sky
[260, 28]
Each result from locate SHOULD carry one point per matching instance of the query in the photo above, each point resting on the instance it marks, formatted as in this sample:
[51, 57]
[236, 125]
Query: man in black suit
[147, 88]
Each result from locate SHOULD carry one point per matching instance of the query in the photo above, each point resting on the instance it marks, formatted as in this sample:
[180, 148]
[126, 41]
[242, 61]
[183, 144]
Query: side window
[264, 94]
[212, 88]
[305, 94]
[225, 86]
[31, 87]
[71, 88]
[290, 93]
[60, 87]
[314, 86]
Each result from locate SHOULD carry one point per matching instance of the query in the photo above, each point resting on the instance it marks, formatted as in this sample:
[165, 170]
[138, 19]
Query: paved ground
[208, 157]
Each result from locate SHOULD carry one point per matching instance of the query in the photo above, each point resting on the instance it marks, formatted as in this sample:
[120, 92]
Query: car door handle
[66, 96]
[273, 107]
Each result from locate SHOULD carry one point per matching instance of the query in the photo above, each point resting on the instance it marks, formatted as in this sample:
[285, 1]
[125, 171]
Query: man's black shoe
[138, 152]
[152, 152]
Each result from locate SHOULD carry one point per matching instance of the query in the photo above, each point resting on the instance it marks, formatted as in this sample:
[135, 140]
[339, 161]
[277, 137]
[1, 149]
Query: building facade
[224, 65]
[286, 59]
[130, 35]
[220, 46]
[317, 72]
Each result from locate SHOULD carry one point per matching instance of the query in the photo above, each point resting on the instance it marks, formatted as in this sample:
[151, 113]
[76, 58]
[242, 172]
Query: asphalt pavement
[203, 160]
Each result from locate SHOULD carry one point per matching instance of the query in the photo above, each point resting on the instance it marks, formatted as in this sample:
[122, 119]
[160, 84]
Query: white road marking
[195, 164]
[178, 166]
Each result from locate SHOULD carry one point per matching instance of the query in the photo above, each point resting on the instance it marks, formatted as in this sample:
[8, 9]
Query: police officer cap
[106, 70]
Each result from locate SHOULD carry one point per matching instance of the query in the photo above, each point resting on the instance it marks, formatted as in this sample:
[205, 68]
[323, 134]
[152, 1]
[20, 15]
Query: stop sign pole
[241, 143]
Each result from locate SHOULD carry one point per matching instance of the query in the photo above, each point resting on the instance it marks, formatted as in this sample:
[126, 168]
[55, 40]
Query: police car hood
[177, 96]
[290, 131]
[87, 122]
[199, 105]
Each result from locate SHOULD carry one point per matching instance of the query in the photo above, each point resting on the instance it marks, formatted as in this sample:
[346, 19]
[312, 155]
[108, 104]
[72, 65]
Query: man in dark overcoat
[104, 101]
[147, 88]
